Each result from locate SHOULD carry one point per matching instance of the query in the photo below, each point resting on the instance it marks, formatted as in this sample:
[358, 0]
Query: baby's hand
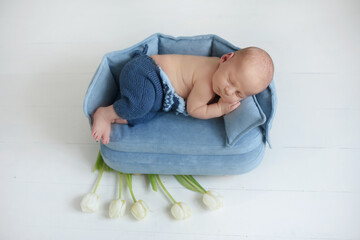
[227, 107]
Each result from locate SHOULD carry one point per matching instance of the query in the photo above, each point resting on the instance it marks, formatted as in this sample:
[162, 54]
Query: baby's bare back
[184, 70]
[192, 79]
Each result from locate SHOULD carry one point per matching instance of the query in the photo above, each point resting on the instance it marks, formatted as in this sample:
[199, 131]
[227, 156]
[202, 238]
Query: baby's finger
[234, 106]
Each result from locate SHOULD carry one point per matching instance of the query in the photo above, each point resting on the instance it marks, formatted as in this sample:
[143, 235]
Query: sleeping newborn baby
[203, 87]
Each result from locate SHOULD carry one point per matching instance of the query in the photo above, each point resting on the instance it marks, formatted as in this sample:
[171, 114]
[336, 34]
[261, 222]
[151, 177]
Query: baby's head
[242, 73]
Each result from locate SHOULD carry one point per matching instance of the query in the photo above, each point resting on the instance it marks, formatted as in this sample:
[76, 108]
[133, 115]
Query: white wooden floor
[308, 185]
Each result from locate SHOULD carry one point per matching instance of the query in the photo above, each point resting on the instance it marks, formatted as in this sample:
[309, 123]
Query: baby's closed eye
[215, 99]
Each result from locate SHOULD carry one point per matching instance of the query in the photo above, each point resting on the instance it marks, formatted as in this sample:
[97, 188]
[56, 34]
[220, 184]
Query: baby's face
[228, 82]
[227, 85]
[237, 79]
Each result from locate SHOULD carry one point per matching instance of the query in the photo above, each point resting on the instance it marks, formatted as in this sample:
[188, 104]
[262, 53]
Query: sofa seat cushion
[176, 134]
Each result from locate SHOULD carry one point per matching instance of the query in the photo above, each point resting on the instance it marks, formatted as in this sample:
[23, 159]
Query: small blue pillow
[240, 121]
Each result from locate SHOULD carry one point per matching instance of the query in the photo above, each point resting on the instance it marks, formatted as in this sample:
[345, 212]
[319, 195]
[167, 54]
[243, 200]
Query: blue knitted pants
[141, 93]
[145, 90]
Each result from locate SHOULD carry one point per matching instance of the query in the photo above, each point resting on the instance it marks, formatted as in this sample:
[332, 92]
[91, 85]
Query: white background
[308, 185]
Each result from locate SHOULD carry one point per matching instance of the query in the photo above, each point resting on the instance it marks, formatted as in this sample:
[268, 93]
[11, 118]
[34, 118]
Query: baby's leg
[103, 117]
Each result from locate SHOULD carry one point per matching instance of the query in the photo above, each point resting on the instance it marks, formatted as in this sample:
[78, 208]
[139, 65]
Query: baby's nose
[228, 91]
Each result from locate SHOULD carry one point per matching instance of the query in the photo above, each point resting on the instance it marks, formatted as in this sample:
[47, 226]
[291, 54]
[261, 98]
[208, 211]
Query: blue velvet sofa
[175, 144]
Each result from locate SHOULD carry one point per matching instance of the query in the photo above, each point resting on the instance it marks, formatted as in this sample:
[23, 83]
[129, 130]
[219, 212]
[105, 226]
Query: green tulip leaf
[191, 178]
[153, 182]
[186, 183]
[100, 164]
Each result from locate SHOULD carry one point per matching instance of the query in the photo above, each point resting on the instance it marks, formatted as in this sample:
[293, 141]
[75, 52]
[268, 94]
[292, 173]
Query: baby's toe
[97, 137]
[106, 140]
[93, 134]
[106, 136]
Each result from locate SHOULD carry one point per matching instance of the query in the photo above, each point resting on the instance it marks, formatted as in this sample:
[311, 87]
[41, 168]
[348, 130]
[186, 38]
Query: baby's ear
[226, 57]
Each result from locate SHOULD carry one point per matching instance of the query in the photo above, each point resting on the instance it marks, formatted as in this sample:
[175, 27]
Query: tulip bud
[117, 208]
[181, 211]
[213, 200]
[90, 203]
[139, 210]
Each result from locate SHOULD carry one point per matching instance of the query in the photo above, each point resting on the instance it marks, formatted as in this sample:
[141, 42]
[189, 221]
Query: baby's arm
[197, 103]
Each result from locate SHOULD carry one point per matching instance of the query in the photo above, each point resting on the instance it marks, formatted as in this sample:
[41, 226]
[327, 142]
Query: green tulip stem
[129, 182]
[98, 181]
[163, 187]
[120, 183]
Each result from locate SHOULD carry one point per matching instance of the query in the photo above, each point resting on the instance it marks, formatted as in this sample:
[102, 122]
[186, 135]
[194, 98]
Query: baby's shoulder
[203, 88]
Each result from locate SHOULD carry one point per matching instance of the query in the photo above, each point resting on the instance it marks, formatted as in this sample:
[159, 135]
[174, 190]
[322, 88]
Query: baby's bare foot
[103, 117]
[102, 125]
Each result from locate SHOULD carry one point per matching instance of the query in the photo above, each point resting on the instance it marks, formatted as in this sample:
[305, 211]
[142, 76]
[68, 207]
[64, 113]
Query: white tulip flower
[139, 210]
[181, 211]
[213, 200]
[117, 208]
[90, 203]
